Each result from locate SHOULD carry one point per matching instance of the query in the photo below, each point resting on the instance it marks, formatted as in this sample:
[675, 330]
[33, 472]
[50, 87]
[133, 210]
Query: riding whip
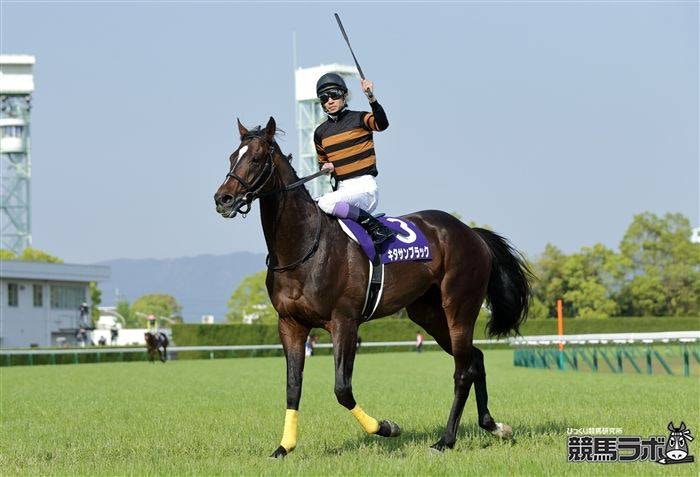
[359, 69]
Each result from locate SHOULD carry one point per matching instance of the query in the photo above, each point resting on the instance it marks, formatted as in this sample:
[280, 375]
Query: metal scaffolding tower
[309, 116]
[16, 87]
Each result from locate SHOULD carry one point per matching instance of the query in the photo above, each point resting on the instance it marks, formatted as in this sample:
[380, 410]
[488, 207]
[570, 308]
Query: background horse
[317, 278]
[157, 342]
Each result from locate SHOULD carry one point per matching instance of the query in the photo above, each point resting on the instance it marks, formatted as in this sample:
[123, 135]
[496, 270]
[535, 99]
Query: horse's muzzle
[224, 205]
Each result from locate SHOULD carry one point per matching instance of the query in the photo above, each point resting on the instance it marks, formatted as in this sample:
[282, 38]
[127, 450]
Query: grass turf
[225, 417]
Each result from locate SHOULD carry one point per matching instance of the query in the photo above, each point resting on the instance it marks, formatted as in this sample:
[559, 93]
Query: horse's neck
[289, 219]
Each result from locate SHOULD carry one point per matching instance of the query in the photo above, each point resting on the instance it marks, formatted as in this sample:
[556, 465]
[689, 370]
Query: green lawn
[225, 417]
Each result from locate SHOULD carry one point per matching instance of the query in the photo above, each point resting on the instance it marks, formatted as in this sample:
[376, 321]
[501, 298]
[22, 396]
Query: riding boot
[379, 232]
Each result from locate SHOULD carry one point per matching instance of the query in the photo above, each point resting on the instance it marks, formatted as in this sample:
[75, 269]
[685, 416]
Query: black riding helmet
[330, 81]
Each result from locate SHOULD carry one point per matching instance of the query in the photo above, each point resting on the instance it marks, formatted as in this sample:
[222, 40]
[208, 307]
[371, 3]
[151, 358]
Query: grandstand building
[40, 302]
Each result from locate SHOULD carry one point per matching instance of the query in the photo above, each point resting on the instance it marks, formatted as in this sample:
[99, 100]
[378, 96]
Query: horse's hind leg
[463, 378]
[427, 312]
[486, 422]
[461, 310]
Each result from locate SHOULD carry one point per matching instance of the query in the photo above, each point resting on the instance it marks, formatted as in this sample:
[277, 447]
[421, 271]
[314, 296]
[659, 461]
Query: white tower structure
[16, 87]
[309, 116]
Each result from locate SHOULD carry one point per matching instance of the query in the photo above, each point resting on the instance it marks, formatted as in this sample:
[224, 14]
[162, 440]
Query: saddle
[409, 244]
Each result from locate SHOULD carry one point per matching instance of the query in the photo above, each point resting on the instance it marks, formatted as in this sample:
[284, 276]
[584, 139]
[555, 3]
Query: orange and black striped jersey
[347, 141]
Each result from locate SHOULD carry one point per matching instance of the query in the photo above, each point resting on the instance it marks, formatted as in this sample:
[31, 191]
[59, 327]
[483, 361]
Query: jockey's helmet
[330, 81]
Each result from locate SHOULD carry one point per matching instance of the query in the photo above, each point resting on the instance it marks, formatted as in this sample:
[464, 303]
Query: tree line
[655, 272]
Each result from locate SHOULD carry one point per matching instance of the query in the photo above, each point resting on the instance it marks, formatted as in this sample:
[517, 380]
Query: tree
[160, 305]
[95, 299]
[124, 309]
[550, 284]
[250, 302]
[591, 278]
[6, 254]
[29, 254]
[662, 266]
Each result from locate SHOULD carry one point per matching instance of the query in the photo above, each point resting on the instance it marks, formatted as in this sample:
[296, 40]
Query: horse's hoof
[504, 431]
[441, 445]
[388, 429]
[279, 453]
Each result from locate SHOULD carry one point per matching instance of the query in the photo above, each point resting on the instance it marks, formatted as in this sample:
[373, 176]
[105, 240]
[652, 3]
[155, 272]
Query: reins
[253, 192]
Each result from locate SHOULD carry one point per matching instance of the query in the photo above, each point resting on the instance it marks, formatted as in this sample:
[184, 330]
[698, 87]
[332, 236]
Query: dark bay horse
[317, 278]
[157, 342]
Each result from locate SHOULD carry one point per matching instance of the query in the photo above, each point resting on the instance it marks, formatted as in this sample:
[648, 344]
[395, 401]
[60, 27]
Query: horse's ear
[670, 426]
[682, 428]
[270, 129]
[241, 128]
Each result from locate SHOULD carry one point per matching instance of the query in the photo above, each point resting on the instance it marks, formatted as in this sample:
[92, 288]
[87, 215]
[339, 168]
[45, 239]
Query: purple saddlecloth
[409, 244]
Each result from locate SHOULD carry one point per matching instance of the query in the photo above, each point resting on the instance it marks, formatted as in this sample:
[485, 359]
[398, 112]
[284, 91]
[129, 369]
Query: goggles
[330, 94]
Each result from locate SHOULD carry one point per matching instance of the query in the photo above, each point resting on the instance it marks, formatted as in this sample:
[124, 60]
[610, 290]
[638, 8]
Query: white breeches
[358, 191]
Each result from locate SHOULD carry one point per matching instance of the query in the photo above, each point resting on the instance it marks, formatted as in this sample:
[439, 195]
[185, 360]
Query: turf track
[225, 416]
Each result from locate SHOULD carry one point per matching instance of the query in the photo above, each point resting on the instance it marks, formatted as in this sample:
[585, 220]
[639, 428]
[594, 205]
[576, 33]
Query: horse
[317, 278]
[157, 341]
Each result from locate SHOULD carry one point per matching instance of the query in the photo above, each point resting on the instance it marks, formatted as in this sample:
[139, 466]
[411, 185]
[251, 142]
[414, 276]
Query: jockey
[152, 324]
[345, 148]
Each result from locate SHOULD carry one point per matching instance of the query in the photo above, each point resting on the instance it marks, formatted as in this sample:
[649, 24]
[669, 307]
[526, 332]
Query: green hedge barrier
[393, 329]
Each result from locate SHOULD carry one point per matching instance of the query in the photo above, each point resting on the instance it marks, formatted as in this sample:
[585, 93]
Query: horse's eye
[671, 441]
[681, 442]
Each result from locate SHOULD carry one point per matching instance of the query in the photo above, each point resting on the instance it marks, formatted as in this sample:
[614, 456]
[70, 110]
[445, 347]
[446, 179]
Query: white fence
[617, 338]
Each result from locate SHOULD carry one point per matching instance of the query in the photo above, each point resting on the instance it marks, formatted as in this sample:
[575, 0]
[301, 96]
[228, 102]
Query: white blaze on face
[241, 153]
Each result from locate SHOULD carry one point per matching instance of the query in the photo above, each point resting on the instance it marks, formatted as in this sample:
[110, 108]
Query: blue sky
[550, 121]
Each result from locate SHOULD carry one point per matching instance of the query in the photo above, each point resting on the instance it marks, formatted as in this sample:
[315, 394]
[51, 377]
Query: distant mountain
[201, 284]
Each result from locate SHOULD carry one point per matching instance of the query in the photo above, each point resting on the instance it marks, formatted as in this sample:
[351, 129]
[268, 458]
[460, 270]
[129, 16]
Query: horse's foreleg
[293, 336]
[344, 346]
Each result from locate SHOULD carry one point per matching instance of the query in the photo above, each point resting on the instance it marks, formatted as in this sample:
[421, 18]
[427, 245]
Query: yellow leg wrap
[368, 423]
[289, 438]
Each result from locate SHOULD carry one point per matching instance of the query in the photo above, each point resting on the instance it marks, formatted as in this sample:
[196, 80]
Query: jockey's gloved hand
[368, 88]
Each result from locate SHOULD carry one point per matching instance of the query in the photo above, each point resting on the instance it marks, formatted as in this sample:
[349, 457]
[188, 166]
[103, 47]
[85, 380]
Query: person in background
[419, 342]
[308, 346]
[81, 336]
[84, 314]
[114, 334]
[102, 341]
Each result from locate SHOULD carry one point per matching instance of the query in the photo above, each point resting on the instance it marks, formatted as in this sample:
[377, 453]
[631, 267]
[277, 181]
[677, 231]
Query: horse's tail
[509, 291]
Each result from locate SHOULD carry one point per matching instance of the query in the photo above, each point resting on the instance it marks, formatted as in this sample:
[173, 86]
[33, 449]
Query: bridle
[242, 205]
[253, 188]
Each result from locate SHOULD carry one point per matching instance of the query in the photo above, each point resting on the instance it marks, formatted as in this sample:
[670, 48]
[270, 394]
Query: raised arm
[376, 120]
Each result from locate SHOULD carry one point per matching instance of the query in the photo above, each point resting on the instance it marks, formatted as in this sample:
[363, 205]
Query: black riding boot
[379, 232]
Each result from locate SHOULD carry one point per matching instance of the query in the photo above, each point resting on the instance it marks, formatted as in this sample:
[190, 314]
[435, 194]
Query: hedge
[393, 329]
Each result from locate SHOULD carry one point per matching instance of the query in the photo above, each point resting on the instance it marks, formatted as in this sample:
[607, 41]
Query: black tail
[509, 286]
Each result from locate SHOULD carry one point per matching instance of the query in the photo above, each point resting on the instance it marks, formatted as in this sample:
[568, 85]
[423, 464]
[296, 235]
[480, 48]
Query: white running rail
[603, 338]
